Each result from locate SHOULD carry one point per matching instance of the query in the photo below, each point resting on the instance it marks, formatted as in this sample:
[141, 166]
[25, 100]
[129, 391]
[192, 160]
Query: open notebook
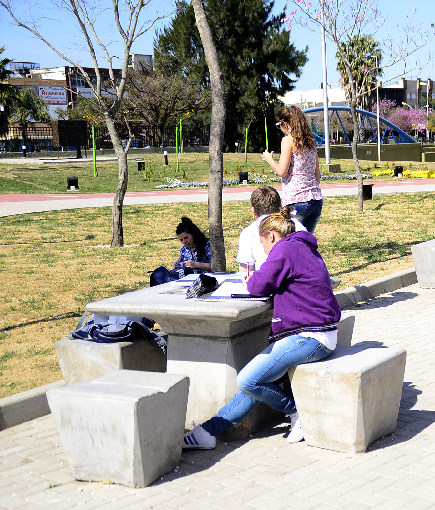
[231, 289]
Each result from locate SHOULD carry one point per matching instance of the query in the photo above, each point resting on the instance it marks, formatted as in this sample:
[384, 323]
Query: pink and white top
[300, 184]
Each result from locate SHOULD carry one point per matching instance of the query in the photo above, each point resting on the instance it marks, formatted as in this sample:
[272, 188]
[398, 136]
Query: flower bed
[419, 174]
[171, 182]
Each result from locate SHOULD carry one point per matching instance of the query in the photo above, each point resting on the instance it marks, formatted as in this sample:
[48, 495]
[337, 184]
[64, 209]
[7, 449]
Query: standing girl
[298, 167]
[304, 327]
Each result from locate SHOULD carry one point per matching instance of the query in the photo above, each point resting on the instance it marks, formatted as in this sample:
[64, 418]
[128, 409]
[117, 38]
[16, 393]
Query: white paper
[228, 288]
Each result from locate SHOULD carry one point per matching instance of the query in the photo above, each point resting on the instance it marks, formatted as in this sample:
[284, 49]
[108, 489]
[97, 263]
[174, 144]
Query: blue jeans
[257, 380]
[308, 213]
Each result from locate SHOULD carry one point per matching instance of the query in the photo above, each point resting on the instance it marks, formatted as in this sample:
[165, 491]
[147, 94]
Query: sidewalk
[11, 204]
[266, 472]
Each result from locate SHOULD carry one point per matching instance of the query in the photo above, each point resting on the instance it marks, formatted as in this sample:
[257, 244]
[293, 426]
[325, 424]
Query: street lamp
[377, 110]
[325, 92]
[427, 103]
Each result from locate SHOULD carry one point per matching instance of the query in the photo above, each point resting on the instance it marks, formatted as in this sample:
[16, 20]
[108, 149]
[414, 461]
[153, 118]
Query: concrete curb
[352, 295]
[25, 406]
[32, 404]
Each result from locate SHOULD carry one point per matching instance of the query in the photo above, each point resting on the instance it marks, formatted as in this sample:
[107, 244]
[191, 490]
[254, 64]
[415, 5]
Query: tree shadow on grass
[54, 318]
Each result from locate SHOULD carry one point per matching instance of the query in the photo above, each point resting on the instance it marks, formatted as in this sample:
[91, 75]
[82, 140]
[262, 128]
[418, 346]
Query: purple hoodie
[296, 275]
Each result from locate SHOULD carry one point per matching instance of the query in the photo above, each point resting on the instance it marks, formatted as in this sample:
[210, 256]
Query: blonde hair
[299, 127]
[280, 223]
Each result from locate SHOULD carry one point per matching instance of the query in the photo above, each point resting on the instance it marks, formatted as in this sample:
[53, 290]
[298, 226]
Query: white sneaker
[199, 439]
[296, 432]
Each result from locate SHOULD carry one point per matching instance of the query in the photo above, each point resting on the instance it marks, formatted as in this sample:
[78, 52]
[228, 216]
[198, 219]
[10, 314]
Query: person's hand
[267, 156]
[190, 263]
[246, 278]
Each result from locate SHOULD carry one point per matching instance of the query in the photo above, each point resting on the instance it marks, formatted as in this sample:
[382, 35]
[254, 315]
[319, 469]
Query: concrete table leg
[212, 362]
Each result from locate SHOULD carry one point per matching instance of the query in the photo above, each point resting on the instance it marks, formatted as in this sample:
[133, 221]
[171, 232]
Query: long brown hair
[299, 127]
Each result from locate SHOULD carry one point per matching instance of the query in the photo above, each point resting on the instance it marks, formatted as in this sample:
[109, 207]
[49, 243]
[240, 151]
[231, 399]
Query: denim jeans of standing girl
[257, 381]
[308, 213]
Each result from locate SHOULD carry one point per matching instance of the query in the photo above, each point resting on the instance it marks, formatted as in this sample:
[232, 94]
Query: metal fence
[41, 138]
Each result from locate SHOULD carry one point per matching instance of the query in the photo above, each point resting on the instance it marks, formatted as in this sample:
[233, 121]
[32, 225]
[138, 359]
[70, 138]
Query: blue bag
[118, 329]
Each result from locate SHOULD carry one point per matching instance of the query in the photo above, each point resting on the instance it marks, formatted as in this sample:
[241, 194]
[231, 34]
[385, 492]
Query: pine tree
[257, 60]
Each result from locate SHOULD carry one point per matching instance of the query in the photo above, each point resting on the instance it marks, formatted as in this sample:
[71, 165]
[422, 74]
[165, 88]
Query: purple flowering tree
[386, 107]
[410, 120]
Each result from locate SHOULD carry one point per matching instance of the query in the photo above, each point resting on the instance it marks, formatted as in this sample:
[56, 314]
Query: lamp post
[325, 91]
[427, 103]
[377, 110]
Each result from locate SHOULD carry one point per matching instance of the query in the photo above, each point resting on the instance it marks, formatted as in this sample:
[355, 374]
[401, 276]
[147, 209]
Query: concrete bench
[423, 255]
[83, 360]
[350, 399]
[126, 427]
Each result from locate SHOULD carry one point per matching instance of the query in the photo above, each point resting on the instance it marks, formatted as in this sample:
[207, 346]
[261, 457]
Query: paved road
[11, 204]
[266, 472]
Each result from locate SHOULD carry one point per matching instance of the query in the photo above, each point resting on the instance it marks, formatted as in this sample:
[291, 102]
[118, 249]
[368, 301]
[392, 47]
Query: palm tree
[364, 55]
[8, 94]
[26, 109]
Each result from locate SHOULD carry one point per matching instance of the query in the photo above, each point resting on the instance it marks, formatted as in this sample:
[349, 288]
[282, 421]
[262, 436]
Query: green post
[176, 147]
[265, 129]
[246, 148]
[181, 139]
[93, 151]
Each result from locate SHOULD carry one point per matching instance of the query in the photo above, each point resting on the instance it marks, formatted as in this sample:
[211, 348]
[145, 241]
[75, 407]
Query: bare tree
[86, 15]
[217, 129]
[342, 20]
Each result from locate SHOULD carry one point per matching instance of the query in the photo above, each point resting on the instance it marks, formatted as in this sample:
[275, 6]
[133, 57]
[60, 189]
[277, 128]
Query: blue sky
[22, 46]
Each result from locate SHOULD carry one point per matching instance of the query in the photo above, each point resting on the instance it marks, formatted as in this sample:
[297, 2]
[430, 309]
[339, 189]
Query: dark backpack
[118, 329]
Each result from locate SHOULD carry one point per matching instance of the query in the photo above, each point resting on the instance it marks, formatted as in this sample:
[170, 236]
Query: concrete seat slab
[347, 401]
[126, 427]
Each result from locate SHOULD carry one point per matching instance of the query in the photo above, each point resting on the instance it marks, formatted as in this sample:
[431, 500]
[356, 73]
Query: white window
[77, 81]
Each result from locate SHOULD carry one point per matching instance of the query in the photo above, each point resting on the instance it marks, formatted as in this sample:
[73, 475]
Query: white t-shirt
[251, 250]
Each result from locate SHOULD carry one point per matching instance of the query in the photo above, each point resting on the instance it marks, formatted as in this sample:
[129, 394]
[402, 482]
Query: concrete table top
[162, 306]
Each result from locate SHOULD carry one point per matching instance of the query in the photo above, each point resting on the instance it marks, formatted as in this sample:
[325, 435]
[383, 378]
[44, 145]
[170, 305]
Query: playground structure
[398, 135]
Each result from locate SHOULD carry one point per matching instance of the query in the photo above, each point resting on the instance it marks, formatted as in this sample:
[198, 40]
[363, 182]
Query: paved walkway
[397, 472]
[11, 204]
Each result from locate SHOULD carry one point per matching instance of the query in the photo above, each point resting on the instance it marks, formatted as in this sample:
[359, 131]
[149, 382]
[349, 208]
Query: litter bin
[72, 182]
[243, 177]
[398, 171]
[141, 166]
[367, 191]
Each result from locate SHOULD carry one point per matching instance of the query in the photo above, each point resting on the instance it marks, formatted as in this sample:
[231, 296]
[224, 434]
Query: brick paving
[397, 472]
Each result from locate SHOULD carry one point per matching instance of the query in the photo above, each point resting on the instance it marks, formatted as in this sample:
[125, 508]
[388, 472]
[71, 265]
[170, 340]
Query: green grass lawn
[23, 177]
[53, 264]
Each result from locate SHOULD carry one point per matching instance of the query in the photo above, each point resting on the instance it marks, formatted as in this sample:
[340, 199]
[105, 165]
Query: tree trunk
[355, 155]
[217, 129]
[118, 201]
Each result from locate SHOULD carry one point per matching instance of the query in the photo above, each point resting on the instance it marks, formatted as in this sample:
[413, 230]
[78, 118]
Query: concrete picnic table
[209, 341]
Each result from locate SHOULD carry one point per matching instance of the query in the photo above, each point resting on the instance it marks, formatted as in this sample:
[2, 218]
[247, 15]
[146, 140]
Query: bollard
[243, 177]
[398, 171]
[165, 154]
[72, 183]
